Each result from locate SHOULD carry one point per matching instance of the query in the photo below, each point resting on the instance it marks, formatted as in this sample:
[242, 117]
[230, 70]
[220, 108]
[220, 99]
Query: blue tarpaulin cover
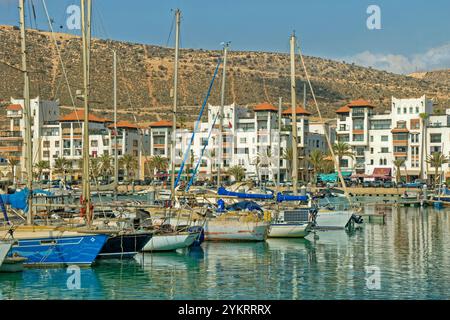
[284, 197]
[18, 200]
[245, 205]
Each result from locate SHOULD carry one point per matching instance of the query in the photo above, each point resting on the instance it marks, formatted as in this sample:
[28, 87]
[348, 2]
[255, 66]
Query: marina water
[407, 257]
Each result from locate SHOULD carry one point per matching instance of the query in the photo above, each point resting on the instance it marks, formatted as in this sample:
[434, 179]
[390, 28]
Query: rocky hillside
[146, 74]
[438, 76]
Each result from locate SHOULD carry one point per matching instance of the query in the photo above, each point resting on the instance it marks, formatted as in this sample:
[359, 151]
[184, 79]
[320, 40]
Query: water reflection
[411, 250]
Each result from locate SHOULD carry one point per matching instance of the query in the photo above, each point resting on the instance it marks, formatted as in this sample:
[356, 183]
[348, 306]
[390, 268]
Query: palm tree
[237, 172]
[105, 166]
[316, 158]
[94, 167]
[130, 164]
[266, 159]
[288, 155]
[341, 150]
[436, 160]
[13, 163]
[40, 166]
[398, 163]
[62, 167]
[423, 117]
[159, 163]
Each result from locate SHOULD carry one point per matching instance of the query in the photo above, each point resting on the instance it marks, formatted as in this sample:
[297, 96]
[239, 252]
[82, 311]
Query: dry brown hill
[146, 75]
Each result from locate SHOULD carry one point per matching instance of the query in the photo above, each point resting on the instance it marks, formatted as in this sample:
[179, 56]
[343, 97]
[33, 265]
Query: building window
[404, 111]
[371, 150]
[342, 127]
[380, 124]
[435, 138]
[415, 138]
[417, 109]
[358, 124]
[435, 149]
[415, 124]
[243, 140]
[135, 143]
[411, 110]
[384, 150]
[57, 144]
[358, 137]
[371, 162]
[401, 124]
[46, 154]
[371, 138]
[384, 138]
[399, 110]
[46, 144]
[94, 143]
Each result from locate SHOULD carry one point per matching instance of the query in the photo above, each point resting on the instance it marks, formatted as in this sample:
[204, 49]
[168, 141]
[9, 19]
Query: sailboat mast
[222, 104]
[116, 156]
[26, 114]
[280, 100]
[294, 117]
[175, 99]
[85, 31]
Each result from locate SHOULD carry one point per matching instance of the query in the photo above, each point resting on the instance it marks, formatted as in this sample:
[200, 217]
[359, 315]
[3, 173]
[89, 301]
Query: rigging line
[127, 90]
[202, 153]
[171, 29]
[60, 59]
[186, 154]
[337, 165]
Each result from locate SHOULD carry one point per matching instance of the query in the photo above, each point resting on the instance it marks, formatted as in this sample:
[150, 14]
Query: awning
[333, 177]
[381, 172]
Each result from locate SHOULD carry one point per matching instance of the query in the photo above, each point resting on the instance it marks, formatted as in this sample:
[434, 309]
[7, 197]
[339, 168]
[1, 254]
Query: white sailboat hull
[289, 230]
[222, 230]
[170, 242]
[332, 219]
[4, 249]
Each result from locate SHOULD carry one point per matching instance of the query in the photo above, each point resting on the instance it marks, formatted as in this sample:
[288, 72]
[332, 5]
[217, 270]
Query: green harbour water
[408, 256]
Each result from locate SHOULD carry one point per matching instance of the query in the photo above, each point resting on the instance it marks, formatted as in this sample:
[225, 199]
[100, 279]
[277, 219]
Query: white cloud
[434, 58]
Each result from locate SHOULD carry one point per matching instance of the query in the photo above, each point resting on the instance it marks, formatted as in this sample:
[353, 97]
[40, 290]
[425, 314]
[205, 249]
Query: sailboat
[326, 219]
[169, 238]
[4, 249]
[44, 246]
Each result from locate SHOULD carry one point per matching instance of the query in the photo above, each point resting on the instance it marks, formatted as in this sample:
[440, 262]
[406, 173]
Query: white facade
[378, 140]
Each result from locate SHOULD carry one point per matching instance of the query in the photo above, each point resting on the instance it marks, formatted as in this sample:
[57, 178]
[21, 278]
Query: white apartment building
[378, 139]
[250, 140]
[54, 136]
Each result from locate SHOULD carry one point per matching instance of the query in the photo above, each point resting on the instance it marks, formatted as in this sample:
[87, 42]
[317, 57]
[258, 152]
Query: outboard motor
[354, 219]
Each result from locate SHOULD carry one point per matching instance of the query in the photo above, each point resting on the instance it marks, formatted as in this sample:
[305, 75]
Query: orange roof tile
[399, 130]
[265, 107]
[162, 123]
[360, 103]
[125, 124]
[79, 115]
[14, 107]
[344, 109]
[298, 110]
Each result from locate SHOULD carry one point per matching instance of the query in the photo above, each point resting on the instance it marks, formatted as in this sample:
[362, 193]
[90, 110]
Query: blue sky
[414, 34]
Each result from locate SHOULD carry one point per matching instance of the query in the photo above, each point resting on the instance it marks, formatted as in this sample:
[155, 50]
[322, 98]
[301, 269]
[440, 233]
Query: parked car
[418, 183]
[366, 184]
[377, 184]
[388, 184]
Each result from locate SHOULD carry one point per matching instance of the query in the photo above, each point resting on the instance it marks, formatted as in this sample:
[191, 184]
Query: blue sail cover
[18, 200]
[284, 197]
[223, 192]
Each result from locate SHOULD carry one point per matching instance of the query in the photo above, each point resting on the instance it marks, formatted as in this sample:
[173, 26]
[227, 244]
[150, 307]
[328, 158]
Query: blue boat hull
[60, 251]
